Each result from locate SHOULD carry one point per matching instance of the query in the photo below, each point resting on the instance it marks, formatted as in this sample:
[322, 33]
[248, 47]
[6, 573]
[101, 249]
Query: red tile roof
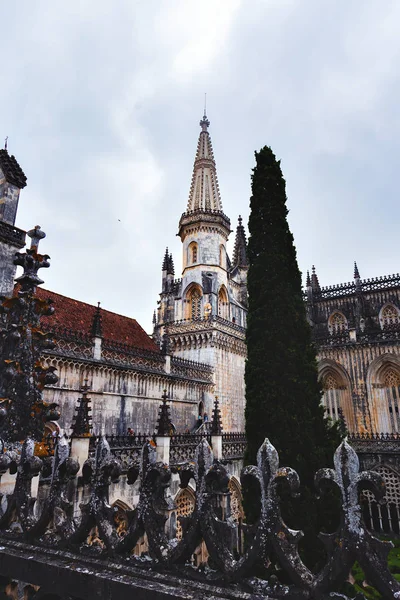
[78, 316]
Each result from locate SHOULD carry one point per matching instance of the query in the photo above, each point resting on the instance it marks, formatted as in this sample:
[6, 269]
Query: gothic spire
[308, 280]
[170, 267]
[166, 260]
[356, 271]
[204, 190]
[240, 248]
[314, 281]
[216, 423]
[82, 419]
[164, 417]
[97, 330]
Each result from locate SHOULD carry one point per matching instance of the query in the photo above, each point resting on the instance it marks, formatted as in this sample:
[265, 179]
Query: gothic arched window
[223, 303]
[383, 517]
[389, 316]
[390, 381]
[222, 256]
[194, 299]
[193, 254]
[337, 323]
[333, 393]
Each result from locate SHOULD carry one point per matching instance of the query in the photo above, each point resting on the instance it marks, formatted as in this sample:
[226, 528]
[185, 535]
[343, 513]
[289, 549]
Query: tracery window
[337, 323]
[334, 396]
[391, 382]
[384, 517]
[330, 383]
[236, 501]
[389, 316]
[184, 508]
[392, 378]
[195, 304]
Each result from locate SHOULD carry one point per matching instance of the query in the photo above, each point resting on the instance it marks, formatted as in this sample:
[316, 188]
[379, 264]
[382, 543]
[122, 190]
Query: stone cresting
[23, 413]
[53, 527]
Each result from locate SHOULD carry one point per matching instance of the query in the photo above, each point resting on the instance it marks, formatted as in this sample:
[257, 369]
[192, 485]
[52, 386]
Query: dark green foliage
[283, 395]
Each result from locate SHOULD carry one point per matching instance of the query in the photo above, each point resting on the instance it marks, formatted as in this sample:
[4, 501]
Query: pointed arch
[337, 323]
[236, 500]
[185, 502]
[389, 315]
[193, 302]
[383, 383]
[222, 256]
[193, 253]
[223, 303]
[336, 388]
[386, 517]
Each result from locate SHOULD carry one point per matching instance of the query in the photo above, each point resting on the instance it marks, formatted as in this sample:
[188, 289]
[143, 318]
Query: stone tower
[12, 239]
[202, 316]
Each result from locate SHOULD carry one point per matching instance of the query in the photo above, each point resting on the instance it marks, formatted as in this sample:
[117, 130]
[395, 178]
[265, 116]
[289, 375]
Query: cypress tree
[283, 395]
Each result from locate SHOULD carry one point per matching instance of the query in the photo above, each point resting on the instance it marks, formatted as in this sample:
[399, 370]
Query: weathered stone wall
[123, 398]
[7, 271]
[9, 196]
[229, 386]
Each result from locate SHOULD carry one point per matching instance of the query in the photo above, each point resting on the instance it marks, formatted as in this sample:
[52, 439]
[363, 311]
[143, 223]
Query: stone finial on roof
[204, 189]
[314, 281]
[11, 169]
[82, 420]
[308, 280]
[356, 271]
[154, 318]
[96, 329]
[204, 123]
[170, 267]
[36, 234]
[240, 248]
[216, 422]
[164, 424]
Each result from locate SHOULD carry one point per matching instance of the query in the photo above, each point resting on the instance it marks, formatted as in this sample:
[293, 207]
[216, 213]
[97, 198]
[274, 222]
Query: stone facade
[356, 327]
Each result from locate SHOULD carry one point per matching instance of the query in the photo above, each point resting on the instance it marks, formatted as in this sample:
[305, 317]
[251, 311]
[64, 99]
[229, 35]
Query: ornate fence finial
[164, 424]
[216, 422]
[23, 412]
[82, 421]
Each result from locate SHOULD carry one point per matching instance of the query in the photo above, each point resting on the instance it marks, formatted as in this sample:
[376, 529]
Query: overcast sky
[101, 102]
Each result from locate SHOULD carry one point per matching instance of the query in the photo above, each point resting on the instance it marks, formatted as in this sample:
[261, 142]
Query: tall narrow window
[391, 381]
[223, 303]
[332, 396]
[192, 253]
[195, 304]
[222, 256]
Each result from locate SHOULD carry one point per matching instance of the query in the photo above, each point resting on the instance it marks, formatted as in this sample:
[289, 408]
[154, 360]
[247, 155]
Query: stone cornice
[205, 220]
